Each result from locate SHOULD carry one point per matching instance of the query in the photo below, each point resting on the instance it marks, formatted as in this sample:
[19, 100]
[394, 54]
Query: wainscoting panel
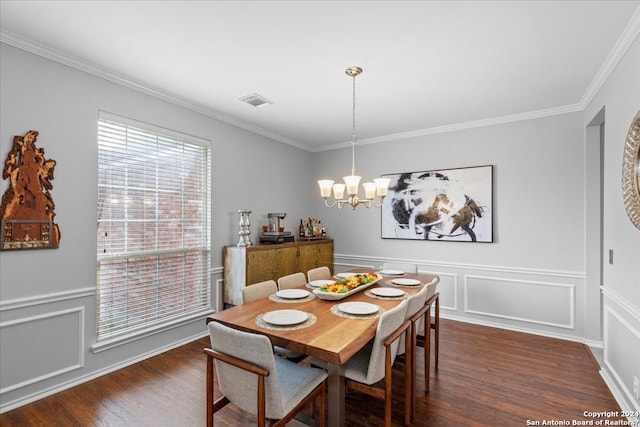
[622, 346]
[448, 289]
[543, 303]
[34, 344]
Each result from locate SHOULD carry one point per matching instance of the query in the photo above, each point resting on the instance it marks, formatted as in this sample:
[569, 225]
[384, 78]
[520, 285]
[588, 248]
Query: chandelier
[378, 187]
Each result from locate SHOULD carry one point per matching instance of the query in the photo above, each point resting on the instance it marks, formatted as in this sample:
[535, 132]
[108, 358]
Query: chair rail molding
[24, 302]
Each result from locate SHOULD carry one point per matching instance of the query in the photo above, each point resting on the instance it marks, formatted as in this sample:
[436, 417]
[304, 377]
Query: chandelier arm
[340, 203]
[378, 205]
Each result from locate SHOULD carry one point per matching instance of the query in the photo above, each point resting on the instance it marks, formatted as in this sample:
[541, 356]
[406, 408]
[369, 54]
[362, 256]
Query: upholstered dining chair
[424, 328]
[252, 378]
[415, 311]
[401, 266]
[259, 290]
[319, 273]
[294, 280]
[372, 365]
[263, 290]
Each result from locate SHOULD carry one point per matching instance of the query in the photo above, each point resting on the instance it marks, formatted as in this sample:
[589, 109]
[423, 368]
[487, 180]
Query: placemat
[276, 298]
[372, 295]
[311, 319]
[390, 283]
[335, 310]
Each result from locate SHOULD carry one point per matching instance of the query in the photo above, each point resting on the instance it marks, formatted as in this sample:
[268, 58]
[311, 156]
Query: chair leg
[209, 392]
[427, 349]
[409, 378]
[414, 367]
[437, 331]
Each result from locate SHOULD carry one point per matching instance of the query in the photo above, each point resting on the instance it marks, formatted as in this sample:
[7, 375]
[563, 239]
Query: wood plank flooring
[487, 377]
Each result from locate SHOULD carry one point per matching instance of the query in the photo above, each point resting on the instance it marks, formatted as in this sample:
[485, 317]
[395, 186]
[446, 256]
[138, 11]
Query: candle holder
[244, 228]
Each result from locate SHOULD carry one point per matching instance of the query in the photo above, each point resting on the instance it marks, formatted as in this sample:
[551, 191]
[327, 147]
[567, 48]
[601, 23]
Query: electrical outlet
[636, 387]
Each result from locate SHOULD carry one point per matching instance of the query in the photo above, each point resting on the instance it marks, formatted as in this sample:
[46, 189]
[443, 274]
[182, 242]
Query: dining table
[327, 333]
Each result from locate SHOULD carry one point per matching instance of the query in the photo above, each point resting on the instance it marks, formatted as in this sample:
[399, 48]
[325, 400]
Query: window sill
[113, 342]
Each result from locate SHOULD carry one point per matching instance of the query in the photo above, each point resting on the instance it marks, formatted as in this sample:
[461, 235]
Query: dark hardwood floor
[487, 377]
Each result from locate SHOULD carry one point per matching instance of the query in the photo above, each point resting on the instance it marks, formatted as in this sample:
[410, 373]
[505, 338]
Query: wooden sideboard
[244, 266]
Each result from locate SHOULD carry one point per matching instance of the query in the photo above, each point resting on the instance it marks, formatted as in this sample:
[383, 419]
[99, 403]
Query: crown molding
[625, 40]
[70, 61]
[556, 111]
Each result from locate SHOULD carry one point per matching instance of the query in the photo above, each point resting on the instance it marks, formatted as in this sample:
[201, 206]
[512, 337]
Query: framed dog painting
[441, 205]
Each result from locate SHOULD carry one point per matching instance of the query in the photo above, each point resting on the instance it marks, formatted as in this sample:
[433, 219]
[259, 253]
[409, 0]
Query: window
[153, 258]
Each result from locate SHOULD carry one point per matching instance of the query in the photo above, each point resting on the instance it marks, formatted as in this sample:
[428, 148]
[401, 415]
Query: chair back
[414, 303]
[402, 266]
[259, 290]
[319, 273]
[294, 280]
[431, 288]
[387, 324]
[239, 385]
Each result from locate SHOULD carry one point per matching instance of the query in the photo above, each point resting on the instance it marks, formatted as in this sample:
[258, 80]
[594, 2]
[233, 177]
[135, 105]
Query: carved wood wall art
[27, 209]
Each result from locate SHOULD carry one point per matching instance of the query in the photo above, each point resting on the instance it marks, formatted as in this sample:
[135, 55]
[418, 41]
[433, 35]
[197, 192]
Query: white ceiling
[428, 65]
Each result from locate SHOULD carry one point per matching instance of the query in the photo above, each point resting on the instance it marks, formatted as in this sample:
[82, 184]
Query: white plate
[392, 272]
[358, 308]
[292, 293]
[387, 292]
[406, 282]
[345, 275]
[285, 317]
[318, 283]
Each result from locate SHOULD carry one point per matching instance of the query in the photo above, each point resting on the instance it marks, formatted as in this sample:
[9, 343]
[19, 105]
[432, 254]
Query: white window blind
[153, 258]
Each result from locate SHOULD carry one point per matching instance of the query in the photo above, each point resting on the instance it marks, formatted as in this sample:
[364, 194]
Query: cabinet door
[308, 257]
[285, 262]
[316, 255]
[325, 254]
[260, 266]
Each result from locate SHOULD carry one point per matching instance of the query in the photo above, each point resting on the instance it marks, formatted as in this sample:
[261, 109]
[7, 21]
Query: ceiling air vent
[255, 100]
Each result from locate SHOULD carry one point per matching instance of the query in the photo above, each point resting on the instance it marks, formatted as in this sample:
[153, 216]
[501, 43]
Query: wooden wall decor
[27, 209]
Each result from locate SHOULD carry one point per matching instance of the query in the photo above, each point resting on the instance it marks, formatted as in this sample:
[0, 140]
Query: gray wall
[619, 98]
[532, 278]
[47, 297]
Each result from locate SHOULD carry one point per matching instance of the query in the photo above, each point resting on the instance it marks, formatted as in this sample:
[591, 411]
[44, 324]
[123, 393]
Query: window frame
[204, 294]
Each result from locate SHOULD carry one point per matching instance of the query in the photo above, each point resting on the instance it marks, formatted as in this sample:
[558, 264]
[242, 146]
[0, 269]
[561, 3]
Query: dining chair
[415, 311]
[401, 266]
[369, 371]
[263, 290]
[294, 280]
[319, 273]
[252, 378]
[424, 328]
[259, 290]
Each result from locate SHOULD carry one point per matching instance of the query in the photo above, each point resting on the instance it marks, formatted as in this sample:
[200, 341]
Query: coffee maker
[275, 229]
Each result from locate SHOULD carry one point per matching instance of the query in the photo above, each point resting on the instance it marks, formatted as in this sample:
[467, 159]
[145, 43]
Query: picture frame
[440, 205]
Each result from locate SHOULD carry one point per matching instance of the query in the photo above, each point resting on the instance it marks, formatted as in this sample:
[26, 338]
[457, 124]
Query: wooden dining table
[332, 338]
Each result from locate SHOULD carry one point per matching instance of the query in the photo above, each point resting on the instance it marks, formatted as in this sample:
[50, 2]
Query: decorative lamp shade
[352, 182]
[338, 191]
[369, 190]
[382, 185]
[325, 187]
